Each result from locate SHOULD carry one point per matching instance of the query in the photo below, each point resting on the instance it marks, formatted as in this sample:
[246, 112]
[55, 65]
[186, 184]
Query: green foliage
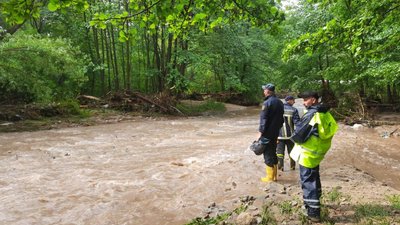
[235, 59]
[54, 5]
[68, 107]
[199, 108]
[354, 44]
[39, 69]
[202, 46]
[182, 15]
[177, 83]
[17, 11]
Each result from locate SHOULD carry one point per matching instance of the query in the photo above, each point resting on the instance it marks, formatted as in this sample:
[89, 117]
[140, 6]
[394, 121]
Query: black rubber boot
[292, 164]
[280, 163]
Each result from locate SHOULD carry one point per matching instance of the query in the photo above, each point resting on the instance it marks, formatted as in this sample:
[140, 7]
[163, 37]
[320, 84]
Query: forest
[53, 51]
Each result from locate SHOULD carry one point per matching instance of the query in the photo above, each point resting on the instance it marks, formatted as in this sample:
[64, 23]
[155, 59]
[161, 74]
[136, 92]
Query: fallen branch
[150, 101]
[89, 97]
[391, 133]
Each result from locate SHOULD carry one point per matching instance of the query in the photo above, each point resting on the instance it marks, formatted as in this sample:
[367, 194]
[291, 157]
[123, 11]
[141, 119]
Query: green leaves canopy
[360, 38]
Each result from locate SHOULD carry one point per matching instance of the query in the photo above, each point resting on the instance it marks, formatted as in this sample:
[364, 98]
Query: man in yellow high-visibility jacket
[312, 137]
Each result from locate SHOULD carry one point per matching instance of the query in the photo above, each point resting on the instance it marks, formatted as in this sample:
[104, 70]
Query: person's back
[290, 118]
[271, 120]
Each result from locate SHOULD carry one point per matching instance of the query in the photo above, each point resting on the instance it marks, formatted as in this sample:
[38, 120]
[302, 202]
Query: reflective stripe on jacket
[310, 153]
[290, 119]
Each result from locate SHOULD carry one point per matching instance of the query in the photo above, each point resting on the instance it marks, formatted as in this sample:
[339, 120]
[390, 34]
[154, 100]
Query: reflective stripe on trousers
[311, 185]
[280, 148]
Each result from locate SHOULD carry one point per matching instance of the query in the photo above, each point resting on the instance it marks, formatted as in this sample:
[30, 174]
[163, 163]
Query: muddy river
[145, 171]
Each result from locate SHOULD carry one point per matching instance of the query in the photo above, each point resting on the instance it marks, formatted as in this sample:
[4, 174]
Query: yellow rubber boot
[275, 175]
[269, 177]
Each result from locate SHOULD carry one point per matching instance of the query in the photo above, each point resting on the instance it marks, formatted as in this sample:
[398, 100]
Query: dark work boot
[292, 164]
[315, 219]
[280, 163]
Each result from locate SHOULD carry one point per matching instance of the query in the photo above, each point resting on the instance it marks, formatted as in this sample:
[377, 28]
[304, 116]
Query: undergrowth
[198, 109]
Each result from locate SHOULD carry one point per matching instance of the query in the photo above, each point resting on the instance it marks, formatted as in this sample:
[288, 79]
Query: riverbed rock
[246, 218]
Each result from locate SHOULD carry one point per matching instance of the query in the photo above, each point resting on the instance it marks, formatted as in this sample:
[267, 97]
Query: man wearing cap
[271, 120]
[291, 118]
[312, 137]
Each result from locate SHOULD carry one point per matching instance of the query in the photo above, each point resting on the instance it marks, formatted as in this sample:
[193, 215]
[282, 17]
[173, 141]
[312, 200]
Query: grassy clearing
[394, 201]
[273, 213]
[286, 207]
[219, 218]
[267, 217]
[332, 196]
[200, 108]
[213, 220]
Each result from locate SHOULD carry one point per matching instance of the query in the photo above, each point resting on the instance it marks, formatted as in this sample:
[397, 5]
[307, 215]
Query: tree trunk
[162, 60]
[114, 59]
[157, 60]
[182, 66]
[127, 67]
[92, 80]
[103, 61]
[108, 58]
[128, 62]
[148, 62]
[389, 93]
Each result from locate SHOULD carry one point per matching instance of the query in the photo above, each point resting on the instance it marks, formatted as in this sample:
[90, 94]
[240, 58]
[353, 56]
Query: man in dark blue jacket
[271, 120]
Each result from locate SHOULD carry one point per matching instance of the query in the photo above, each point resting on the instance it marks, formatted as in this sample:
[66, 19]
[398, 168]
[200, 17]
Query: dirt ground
[170, 170]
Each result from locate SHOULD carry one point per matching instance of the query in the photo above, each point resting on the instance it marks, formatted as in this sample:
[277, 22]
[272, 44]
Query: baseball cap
[269, 86]
[309, 94]
[289, 97]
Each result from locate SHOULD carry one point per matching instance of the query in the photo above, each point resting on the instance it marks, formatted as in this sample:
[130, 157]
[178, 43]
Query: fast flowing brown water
[138, 172]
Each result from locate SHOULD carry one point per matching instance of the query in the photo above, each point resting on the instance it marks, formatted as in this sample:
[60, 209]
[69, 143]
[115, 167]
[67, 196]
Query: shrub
[39, 69]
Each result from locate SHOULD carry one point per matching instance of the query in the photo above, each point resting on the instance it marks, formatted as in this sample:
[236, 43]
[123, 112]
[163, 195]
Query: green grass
[332, 196]
[208, 221]
[375, 214]
[376, 221]
[370, 210]
[394, 201]
[267, 217]
[240, 209]
[271, 213]
[217, 219]
[198, 109]
[286, 207]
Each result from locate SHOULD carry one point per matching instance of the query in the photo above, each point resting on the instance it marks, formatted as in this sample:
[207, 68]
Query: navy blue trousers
[311, 185]
[280, 149]
[270, 157]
